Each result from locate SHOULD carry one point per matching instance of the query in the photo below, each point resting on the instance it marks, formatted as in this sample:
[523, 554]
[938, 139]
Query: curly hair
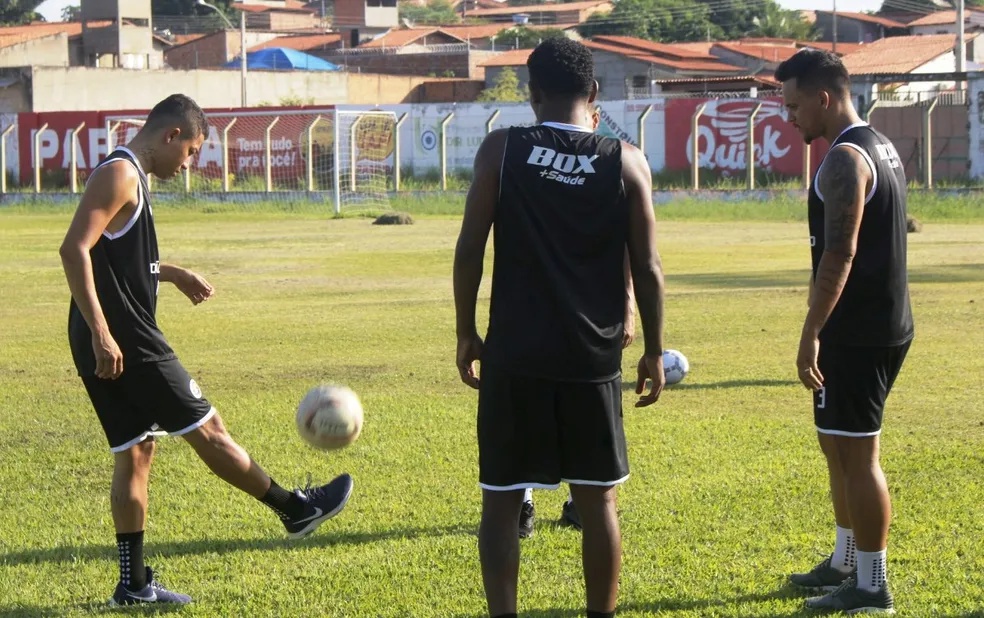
[561, 66]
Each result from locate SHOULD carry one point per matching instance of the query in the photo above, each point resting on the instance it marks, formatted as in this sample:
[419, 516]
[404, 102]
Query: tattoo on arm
[843, 184]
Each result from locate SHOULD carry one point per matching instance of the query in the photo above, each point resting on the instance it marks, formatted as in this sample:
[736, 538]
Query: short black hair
[561, 66]
[179, 110]
[815, 69]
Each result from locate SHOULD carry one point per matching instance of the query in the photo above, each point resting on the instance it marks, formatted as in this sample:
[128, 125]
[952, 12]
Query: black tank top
[560, 232]
[126, 269]
[874, 308]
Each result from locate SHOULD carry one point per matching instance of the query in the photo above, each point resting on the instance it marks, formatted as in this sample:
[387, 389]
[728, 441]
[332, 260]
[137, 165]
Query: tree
[13, 12]
[505, 89]
[656, 20]
[71, 13]
[436, 12]
[522, 37]
[777, 22]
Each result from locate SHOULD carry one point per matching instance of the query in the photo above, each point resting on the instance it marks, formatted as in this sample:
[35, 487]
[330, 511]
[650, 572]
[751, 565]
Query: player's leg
[182, 410]
[127, 429]
[867, 378]
[527, 515]
[516, 450]
[838, 566]
[594, 462]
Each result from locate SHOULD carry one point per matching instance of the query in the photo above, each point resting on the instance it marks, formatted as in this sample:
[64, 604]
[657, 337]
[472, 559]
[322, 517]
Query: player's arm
[629, 329]
[647, 268]
[843, 184]
[191, 284]
[107, 192]
[469, 253]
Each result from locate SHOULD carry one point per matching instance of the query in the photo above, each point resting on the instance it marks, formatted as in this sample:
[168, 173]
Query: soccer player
[859, 325]
[132, 376]
[568, 513]
[565, 203]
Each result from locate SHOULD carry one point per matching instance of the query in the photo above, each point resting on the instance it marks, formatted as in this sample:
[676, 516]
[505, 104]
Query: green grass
[727, 493]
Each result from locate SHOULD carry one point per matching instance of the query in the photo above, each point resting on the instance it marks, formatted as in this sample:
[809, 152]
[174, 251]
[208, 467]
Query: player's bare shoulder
[113, 187]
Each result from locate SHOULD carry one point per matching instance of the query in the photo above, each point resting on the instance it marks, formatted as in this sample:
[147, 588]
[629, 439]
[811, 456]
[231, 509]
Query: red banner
[723, 137]
[247, 139]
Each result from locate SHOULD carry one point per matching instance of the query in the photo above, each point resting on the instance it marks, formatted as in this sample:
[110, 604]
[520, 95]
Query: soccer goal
[344, 159]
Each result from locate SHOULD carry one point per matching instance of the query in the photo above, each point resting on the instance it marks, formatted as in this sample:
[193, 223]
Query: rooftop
[899, 54]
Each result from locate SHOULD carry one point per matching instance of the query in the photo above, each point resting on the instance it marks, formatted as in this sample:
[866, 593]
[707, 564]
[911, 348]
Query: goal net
[345, 160]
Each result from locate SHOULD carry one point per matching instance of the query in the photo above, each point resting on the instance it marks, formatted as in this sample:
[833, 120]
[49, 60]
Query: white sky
[51, 9]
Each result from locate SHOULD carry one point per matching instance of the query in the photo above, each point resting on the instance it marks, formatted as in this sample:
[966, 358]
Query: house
[945, 22]
[904, 55]
[279, 15]
[758, 55]
[497, 36]
[307, 43]
[93, 43]
[856, 27]
[627, 66]
[357, 20]
[514, 59]
[215, 49]
[540, 14]
[413, 51]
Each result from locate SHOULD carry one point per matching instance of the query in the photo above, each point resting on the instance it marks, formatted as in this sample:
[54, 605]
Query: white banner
[975, 90]
[420, 133]
[12, 151]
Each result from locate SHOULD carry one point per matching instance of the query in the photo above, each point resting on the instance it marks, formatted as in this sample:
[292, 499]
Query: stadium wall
[667, 132]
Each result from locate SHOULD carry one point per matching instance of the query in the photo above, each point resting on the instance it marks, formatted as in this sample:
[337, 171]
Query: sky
[51, 9]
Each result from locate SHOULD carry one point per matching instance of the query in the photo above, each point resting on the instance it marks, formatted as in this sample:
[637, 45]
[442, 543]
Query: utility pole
[961, 43]
[834, 19]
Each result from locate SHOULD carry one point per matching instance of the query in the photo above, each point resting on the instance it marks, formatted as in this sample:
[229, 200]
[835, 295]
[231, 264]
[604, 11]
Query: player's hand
[109, 358]
[806, 362]
[651, 370]
[194, 286]
[469, 351]
[629, 329]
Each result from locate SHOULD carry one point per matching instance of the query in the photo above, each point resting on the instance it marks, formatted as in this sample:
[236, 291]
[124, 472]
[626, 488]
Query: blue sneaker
[153, 592]
[323, 503]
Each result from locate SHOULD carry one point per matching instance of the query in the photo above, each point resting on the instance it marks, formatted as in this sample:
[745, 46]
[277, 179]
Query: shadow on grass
[91, 609]
[943, 273]
[223, 546]
[671, 604]
[628, 384]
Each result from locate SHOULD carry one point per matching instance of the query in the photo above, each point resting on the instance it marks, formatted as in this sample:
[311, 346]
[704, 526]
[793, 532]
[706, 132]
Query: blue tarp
[284, 59]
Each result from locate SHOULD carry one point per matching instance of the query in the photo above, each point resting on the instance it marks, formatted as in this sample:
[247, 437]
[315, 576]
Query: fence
[691, 143]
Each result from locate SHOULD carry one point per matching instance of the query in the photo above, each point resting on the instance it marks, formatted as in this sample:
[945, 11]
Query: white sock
[872, 567]
[528, 495]
[845, 551]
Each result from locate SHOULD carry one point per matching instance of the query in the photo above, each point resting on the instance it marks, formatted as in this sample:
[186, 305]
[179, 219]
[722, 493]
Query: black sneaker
[527, 516]
[323, 503]
[850, 599]
[823, 577]
[153, 592]
[569, 516]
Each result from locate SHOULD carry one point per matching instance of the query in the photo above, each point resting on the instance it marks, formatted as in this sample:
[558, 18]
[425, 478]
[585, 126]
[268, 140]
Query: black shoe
[527, 516]
[822, 577]
[850, 599]
[152, 592]
[323, 503]
[569, 516]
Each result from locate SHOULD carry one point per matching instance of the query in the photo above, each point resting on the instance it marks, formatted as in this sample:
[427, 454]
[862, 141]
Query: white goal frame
[342, 131]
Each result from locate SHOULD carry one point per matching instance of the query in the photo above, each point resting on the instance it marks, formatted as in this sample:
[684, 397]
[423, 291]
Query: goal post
[343, 159]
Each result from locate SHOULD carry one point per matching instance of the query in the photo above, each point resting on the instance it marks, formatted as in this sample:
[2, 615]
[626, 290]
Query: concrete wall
[45, 89]
[47, 51]
[462, 64]
[950, 144]
[613, 71]
[213, 50]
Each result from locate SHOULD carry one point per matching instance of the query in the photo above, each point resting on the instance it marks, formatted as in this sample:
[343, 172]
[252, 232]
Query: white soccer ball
[675, 366]
[329, 417]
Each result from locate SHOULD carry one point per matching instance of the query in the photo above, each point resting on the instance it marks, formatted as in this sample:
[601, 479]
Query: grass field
[727, 493]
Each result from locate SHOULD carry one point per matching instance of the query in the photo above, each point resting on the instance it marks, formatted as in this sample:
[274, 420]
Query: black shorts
[856, 383]
[147, 398]
[538, 433]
